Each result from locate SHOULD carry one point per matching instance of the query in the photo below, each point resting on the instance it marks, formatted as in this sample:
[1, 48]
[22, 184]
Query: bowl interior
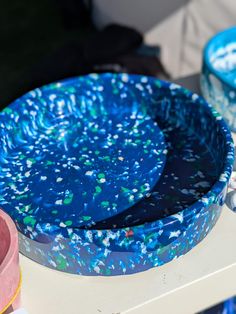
[197, 148]
[77, 152]
[187, 130]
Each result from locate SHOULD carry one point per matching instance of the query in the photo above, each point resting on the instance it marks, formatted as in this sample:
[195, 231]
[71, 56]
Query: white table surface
[201, 278]
[204, 276]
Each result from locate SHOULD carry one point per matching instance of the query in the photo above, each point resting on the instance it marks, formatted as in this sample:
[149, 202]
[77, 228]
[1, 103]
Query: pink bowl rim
[13, 245]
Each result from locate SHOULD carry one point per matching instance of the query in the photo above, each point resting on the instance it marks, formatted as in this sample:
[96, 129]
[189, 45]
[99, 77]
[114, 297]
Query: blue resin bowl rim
[212, 196]
[218, 74]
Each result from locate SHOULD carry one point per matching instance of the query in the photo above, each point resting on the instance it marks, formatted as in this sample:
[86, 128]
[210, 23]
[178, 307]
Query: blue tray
[173, 217]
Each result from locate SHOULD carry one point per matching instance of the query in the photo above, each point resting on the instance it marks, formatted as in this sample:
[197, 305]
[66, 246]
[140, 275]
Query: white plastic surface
[19, 311]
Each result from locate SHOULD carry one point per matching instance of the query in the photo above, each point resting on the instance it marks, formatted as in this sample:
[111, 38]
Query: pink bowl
[9, 263]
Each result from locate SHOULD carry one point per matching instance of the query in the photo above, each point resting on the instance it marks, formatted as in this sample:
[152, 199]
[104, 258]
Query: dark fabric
[67, 61]
[115, 49]
[30, 32]
[45, 41]
[113, 41]
[74, 13]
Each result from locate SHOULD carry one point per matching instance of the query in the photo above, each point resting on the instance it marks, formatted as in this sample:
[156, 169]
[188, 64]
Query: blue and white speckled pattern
[183, 117]
[124, 251]
[218, 79]
[189, 172]
[77, 152]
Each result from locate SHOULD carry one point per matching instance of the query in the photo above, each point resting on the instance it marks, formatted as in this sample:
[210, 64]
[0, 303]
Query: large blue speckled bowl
[172, 217]
[77, 153]
[218, 79]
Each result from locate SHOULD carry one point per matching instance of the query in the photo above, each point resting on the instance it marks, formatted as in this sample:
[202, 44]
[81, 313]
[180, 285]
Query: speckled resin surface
[218, 79]
[73, 154]
[190, 171]
[177, 213]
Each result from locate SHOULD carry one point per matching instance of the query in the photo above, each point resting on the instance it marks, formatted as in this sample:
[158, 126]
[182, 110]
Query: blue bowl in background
[172, 217]
[218, 78]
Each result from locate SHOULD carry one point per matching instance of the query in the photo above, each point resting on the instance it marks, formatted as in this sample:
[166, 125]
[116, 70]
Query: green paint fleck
[125, 190]
[68, 199]
[32, 160]
[8, 110]
[68, 222]
[26, 208]
[106, 158]
[71, 89]
[143, 189]
[148, 142]
[158, 83]
[86, 218]
[54, 212]
[93, 112]
[61, 262]
[88, 163]
[105, 203]
[29, 221]
[49, 163]
[97, 152]
[98, 189]
[19, 197]
[101, 175]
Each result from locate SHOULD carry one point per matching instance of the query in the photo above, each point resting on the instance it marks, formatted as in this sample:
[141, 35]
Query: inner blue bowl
[78, 152]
